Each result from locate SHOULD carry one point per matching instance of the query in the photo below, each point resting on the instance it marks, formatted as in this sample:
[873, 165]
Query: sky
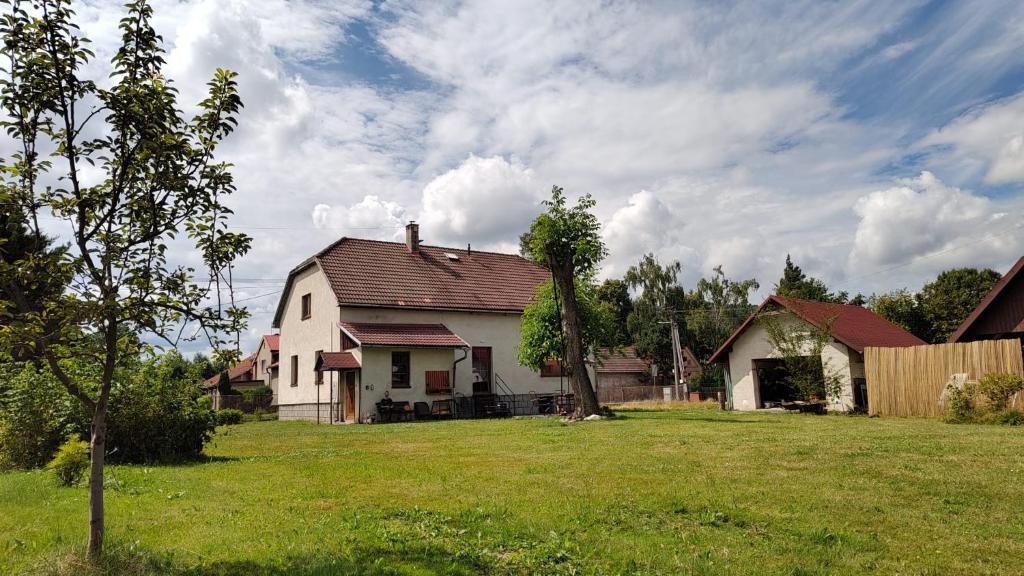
[878, 143]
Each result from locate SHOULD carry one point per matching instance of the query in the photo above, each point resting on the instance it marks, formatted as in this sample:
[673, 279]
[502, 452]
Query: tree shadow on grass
[420, 559]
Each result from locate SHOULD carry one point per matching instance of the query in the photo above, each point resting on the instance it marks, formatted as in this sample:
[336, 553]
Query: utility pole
[675, 353]
[678, 358]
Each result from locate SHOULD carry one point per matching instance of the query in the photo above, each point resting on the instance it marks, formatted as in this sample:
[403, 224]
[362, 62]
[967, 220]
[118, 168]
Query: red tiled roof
[240, 372]
[1010, 322]
[855, 326]
[621, 361]
[273, 341]
[386, 274]
[336, 361]
[403, 335]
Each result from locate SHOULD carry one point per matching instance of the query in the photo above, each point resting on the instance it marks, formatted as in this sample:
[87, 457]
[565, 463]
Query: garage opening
[774, 385]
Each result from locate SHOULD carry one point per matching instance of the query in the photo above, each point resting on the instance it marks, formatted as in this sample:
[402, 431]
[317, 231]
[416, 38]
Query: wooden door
[350, 396]
[482, 370]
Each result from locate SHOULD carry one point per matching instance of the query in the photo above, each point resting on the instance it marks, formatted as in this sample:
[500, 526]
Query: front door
[482, 370]
[350, 396]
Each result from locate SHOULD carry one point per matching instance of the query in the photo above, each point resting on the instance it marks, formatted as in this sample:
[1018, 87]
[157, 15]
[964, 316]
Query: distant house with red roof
[1000, 314]
[624, 368]
[752, 369]
[266, 362]
[423, 323]
[242, 375]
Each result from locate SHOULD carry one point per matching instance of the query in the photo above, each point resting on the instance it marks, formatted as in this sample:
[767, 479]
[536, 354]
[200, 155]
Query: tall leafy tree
[947, 301]
[795, 283]
[615, 294]
[567, 240]
[715, 307]
[541, 336]
[660, 301]
[152, 179]
[902, 309]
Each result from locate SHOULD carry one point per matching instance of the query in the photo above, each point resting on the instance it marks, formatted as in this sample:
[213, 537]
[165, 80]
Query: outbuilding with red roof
[752, 365]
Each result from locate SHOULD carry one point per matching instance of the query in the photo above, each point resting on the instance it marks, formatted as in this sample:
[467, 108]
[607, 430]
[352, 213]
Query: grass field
[655, 492]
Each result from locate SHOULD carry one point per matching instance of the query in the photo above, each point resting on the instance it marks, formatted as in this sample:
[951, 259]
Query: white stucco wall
[500, 332]
[264, 358]
[304, 337]
[753, 345]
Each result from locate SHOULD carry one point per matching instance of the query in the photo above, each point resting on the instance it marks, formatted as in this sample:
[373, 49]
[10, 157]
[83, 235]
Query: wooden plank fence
[910, 381]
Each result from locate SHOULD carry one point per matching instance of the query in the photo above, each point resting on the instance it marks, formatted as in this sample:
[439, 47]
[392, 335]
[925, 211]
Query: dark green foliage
[714, 309]
[36, 416]
[161, 416]
[228, 417]
[796, 284]
[947, 301]
[901, 308]
[71, 461]
[660, 301]
[615, 293]
[157, 420]
[540, 339]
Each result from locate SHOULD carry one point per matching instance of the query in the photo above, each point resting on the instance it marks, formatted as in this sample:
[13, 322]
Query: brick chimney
[412, 237]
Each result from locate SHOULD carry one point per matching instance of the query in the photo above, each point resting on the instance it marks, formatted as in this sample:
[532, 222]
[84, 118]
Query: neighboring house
[1000, 314]
[242, 376]
[266, 363]
[752, 369]
[424, 323]
[623, 368]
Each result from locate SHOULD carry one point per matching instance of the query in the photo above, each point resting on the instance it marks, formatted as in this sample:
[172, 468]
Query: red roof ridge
[988, 300]
[855, 326]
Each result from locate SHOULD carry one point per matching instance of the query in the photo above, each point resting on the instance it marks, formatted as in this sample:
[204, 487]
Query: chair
[422, 411]
[443, 408]
[402, 411]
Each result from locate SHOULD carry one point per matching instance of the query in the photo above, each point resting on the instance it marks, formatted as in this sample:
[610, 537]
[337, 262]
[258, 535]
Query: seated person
[387, 402]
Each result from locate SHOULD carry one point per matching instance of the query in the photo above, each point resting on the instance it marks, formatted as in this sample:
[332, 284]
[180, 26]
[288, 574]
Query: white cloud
[371, 217]
[922, 216]
[643, 225]
[489, 201]
[988, 139]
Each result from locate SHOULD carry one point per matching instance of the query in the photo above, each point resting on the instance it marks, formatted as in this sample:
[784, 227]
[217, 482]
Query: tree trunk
[586, 399]
[98, 452]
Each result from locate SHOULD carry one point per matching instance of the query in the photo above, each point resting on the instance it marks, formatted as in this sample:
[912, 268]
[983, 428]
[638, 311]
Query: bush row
[156, 414]
[986, 401]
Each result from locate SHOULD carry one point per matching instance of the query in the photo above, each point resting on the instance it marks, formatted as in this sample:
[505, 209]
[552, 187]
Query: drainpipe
[465, 354]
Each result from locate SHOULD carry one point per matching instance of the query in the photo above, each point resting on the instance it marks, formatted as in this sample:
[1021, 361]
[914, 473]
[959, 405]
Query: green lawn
[695, 491]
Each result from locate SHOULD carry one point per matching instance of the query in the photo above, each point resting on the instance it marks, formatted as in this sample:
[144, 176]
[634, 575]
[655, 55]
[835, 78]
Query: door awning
[326, 361]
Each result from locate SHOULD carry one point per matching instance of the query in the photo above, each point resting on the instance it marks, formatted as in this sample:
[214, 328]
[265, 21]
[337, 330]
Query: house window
[307, 306]
[481, 370]
[400, 370]
[263, 367]
[438, 382]
[295, 370]
[319, 374]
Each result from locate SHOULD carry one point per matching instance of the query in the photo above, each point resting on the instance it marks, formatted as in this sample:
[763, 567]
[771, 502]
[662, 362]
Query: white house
[752, 366]
[424, 323]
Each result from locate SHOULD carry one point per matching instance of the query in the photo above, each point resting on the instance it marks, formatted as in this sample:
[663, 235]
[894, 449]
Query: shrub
[999, 388]
[960, 404]
[157, 414]
[71, 461]
[229, 416]
[36, 415]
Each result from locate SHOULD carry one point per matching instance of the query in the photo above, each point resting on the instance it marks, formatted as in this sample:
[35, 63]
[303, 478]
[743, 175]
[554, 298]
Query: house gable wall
[303, 338]
[753, 345]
